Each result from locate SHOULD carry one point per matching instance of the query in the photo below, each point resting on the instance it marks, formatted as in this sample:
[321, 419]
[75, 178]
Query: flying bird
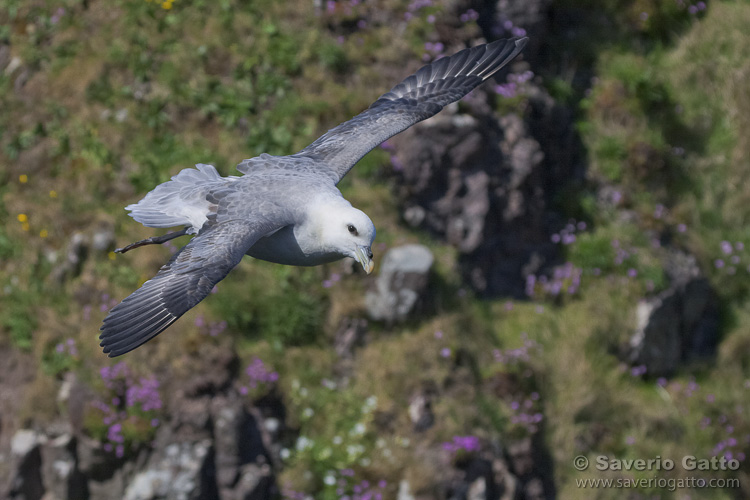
[283, 209]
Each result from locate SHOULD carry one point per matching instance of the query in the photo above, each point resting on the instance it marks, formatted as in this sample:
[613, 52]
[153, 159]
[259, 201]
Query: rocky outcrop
[26, 481]
[678, 325]
[184, 471]
[400, 286]
[217, 445]
[484, 184]
[79, 248]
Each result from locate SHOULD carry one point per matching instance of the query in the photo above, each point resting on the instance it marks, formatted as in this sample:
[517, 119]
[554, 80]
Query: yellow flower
[53, 194]
[111, 255]
[23, 178]
[25, 226]
[43, 233]
[166, 5]
[22, 218]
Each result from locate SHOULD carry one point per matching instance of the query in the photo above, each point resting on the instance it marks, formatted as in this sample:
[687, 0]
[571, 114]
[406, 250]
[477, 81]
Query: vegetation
[101, 101]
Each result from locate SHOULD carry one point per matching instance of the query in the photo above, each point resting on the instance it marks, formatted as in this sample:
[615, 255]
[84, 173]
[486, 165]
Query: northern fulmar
[283, 209]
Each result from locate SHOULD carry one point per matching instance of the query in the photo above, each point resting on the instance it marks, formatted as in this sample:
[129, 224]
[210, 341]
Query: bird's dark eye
[352, 229]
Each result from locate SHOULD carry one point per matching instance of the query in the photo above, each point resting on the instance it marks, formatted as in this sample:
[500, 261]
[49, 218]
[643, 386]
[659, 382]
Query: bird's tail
[180, 201]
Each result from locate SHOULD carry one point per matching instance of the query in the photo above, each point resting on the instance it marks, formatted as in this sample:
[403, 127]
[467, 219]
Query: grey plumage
[283, 209]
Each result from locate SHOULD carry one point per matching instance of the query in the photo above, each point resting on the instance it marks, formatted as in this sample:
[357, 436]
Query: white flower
[370, 404]
[303, 443]
[354, 450]
[358, 430]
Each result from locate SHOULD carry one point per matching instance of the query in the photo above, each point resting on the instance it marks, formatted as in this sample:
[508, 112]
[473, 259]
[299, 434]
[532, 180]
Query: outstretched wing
[417, 98]
[183, 282]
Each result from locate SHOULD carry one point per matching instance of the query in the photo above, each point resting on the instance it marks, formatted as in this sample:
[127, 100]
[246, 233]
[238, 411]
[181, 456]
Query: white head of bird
[350, 232]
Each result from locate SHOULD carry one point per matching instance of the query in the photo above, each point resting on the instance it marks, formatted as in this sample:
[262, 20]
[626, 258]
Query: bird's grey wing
[417, 98]
[183, 282]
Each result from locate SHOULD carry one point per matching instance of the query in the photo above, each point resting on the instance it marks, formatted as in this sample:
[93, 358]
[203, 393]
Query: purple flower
[57, 15]
[507, 90]
[445, 352]
[145, 394]
[465, 443]
[259, 374]
[639, 370]
[396, 163]
[114, 433]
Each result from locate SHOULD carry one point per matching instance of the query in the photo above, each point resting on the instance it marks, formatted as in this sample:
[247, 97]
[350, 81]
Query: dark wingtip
[521, 42]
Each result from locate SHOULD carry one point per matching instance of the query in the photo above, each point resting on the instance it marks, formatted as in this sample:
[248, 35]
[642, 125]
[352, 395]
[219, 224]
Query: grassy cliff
[101, 101]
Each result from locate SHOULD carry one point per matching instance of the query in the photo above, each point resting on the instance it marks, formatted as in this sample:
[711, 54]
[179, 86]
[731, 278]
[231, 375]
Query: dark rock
[183, 471]
[222, 366]
[239, 442]
[531, 464]
[75, 256]
[60, 473]
[484, 185]
[679, 325]
[191, 420]
[401, 283]
[521, 455]
[256, 483]
[103, 239]
[420, 410]
[93, 461]
[26, 481]
[350, 335]
[507, 483]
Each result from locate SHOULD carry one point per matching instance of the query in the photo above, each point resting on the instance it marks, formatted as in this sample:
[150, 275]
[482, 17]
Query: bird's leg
[153, 240]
